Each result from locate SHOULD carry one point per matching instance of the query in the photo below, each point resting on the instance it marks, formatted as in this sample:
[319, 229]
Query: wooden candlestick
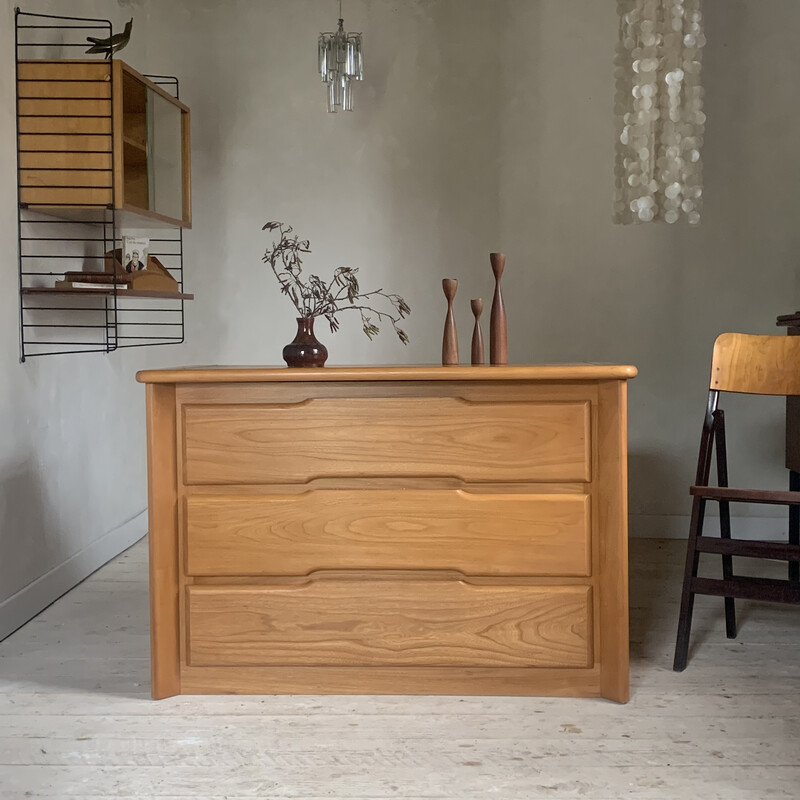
[498, 335]
[450, 340]
[477, 334]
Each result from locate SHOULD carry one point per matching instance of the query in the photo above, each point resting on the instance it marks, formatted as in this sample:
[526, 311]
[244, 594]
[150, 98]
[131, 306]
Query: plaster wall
[72, 454]
[480, 126]
[488, 126]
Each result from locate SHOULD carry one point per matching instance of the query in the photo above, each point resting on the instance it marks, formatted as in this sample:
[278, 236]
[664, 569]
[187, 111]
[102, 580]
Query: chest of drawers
[389, 530]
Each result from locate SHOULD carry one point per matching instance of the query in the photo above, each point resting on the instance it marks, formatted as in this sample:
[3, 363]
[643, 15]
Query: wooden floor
[76, 720]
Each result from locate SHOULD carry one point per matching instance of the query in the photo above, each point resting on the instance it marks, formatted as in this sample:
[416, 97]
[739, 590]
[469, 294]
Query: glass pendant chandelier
[340, 62]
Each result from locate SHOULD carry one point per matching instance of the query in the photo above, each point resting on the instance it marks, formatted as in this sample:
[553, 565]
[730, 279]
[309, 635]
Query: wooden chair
[766, 365]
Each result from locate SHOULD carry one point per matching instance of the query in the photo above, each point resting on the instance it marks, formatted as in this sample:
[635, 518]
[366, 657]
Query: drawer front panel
[478, 534]
[390, 623]
[387, 437]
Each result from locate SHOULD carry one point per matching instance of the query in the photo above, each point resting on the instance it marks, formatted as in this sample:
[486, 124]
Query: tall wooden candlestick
[477, 334]
[498, 336]
[450, 340]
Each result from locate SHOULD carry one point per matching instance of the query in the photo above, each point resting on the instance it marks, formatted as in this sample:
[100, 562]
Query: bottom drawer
[390, 623]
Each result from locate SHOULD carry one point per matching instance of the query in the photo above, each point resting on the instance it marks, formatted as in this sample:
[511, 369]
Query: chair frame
[736, 368]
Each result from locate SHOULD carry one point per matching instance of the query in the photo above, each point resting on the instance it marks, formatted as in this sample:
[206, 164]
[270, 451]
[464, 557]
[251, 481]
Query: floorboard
[76, 720]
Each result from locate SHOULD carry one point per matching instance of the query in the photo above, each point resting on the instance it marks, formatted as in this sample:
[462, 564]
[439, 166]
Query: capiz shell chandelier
[340, 62]
[659, 111]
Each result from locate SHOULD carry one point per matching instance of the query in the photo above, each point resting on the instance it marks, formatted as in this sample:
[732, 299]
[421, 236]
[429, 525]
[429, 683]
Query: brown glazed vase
[305, 350]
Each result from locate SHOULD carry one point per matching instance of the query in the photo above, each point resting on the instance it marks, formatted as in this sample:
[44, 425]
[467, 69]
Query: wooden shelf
[134, 143]
[127, 217]
[103, 290]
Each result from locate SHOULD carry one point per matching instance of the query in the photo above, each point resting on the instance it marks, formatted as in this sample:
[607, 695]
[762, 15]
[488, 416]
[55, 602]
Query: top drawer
[386, 437]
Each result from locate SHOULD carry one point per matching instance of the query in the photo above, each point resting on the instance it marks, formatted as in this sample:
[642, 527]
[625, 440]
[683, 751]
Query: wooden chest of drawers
[389, 530]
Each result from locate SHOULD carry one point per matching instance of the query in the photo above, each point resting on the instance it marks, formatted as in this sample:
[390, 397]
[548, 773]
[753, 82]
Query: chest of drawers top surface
[254, 374]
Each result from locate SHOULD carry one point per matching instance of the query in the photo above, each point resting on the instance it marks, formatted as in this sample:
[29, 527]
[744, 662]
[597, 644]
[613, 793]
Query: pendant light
[340, 62]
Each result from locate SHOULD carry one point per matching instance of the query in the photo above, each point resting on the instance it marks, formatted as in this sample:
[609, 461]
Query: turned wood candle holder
[478, 356]
[498, 336]
[450, 339]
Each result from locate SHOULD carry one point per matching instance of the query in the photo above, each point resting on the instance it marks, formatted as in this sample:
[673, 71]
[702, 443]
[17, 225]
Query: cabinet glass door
[164, 156]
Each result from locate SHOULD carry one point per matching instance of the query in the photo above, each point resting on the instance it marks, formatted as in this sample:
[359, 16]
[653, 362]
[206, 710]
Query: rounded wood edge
[544, 372]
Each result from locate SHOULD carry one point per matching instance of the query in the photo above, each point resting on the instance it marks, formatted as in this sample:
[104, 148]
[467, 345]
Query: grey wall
[480, 126]
[484, 126]
[72, 469]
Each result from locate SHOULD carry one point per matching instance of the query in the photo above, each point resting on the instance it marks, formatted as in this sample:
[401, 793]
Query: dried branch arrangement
[313, 297]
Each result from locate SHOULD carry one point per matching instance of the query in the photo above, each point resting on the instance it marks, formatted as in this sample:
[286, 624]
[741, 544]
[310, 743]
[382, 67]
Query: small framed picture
[135, 250]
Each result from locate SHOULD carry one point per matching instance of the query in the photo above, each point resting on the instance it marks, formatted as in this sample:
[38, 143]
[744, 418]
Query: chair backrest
[756, 364]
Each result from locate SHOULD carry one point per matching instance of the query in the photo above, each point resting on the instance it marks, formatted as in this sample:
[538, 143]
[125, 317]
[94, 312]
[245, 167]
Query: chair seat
[746, 495]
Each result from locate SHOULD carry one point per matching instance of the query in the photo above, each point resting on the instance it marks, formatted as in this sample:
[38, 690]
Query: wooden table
[415, 530]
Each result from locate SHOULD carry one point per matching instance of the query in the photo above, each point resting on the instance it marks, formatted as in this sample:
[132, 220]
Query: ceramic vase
[305, 350]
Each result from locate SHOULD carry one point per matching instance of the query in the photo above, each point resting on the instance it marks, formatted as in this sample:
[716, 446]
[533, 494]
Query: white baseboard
[654, 526]
[36, 596]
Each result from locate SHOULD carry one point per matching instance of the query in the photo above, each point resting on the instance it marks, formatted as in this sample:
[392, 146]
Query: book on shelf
[135, 250]
[104, 287]
[95, 277]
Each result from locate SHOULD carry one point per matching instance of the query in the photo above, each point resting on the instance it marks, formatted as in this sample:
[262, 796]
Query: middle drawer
[478, 534]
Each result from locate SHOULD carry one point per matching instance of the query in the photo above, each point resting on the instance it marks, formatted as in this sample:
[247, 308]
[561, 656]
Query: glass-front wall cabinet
[155, 151]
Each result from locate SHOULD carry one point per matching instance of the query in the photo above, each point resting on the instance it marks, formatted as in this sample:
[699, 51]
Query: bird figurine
[111, 44]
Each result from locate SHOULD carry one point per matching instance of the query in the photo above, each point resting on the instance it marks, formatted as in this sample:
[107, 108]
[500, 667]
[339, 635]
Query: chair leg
[687, 596]
[725, 518]
[794, 525]
[727, 568]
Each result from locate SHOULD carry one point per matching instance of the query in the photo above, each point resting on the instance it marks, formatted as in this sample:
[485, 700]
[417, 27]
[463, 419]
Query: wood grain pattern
[486, 534]
[477, 349]
[450, 335]
[81, 161]
[436, 436]
[55, 106]
[78, 70]
[333, 680]
[55, 177]
[78, 143]
[612, 542]
[186, 175]
[70, 195]
[410, 623]
[163, 517]
[64, 125]
[498, 333]
[118, 133]
[72, 89]
[362, 579]
[756, 364]
[541, 373]
[269, 392]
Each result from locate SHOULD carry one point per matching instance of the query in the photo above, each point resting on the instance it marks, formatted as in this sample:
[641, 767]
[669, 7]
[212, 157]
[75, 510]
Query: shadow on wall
[24, 507]
[657, 474]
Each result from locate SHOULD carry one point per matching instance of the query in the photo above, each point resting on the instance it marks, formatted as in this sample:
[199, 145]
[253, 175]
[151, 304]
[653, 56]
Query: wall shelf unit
[121, 293]
[102, 151]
